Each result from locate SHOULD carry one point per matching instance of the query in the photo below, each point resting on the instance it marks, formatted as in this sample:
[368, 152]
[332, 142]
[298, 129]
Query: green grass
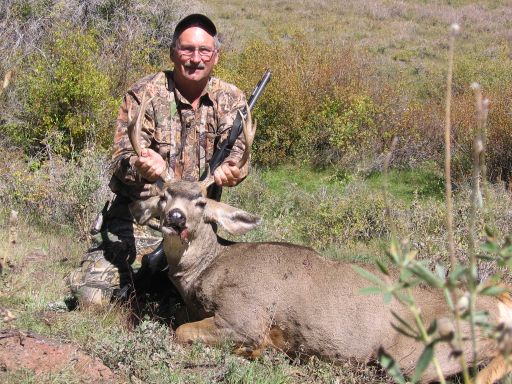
[282, 178]
[410, 185]
[423, 182]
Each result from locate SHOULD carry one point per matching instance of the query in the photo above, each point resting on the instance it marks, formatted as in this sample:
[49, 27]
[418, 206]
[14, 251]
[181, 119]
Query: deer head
[183, 210]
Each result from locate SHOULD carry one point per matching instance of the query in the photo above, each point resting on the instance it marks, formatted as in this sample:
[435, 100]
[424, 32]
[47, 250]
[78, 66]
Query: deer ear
[143, 210]
[235, 221]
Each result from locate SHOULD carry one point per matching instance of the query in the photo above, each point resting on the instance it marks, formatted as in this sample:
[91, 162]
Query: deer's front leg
[494, 371]
[210, 333]
[204, 330]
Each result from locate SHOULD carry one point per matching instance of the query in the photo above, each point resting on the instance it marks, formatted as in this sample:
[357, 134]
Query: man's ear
[172, 54]
[143, 210]
[235, 221]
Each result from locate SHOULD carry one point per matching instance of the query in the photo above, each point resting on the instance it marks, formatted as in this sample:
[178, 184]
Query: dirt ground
[41, 356]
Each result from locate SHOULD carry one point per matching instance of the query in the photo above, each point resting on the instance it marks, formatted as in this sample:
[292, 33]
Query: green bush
[66, 98]
[339, 129]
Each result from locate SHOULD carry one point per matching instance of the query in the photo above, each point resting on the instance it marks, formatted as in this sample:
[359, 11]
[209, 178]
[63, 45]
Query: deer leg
[494, 371]
[274, 338]
[204, 330]
[210, 333]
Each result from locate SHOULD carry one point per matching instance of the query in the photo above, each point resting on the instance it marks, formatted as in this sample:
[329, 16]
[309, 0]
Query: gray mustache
[188, 64]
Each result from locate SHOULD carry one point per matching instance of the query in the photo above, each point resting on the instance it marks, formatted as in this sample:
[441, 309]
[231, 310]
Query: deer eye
[201, 203]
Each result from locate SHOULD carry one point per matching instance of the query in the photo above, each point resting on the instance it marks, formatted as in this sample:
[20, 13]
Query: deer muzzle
[175, 224]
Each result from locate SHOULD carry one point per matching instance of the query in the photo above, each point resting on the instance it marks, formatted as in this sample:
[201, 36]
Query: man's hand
[227, 175]
[150, 164]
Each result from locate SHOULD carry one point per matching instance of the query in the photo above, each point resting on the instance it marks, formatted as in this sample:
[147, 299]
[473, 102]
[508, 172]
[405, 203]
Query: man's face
[194, 55]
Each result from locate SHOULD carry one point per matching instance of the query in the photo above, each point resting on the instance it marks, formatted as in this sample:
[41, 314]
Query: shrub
[66, 98]
[498, 134]
[337, 130]
[55, 191]
[73, 60]
[311, 109]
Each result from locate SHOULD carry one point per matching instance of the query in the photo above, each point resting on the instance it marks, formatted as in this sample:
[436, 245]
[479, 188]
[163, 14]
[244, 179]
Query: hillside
[348, 77]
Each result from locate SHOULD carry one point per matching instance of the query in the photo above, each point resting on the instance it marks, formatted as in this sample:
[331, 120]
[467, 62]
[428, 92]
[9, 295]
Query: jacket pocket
[161, 142]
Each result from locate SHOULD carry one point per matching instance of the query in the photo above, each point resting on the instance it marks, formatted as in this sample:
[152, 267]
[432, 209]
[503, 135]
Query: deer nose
[176, 218]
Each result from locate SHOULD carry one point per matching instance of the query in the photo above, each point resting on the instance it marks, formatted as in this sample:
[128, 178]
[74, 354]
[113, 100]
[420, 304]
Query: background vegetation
[347, 77]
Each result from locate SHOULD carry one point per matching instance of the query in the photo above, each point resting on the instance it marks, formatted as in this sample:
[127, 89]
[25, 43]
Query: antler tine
[134, 134]
[209, 180]
[249, 133]
[135, 125]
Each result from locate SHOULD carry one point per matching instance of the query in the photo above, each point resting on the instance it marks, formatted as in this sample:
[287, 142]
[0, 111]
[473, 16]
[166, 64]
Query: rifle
[226, 146]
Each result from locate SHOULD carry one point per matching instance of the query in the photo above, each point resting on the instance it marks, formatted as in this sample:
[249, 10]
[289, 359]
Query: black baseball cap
[195, 19]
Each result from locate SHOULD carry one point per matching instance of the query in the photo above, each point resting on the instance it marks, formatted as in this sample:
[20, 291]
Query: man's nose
[196, 57]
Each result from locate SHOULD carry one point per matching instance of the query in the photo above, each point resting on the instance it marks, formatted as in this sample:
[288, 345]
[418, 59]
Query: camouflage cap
[195, 19]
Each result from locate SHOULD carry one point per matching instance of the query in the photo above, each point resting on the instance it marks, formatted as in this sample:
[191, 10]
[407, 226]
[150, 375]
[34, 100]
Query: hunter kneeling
[186, 113]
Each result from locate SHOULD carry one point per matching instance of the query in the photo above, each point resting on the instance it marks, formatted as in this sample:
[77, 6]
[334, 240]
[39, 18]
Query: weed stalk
[476, 202]
[454, 30]
[447, 141]
[425, 338]
[387, 161]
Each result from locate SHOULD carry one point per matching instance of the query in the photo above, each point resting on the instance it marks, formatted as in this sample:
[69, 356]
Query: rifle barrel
[259, 88]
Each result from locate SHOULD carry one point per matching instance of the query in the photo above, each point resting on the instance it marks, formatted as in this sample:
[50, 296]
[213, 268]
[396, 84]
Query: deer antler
[134, 132]
[249, 130]
[135, 125]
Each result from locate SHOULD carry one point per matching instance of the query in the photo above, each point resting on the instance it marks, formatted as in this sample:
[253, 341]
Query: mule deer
[288, 296]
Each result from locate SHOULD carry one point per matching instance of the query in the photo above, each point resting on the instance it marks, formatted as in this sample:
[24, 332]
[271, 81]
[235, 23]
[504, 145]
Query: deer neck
[188, 260]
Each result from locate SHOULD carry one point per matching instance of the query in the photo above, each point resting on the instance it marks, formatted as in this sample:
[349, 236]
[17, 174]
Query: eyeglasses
[205, 53]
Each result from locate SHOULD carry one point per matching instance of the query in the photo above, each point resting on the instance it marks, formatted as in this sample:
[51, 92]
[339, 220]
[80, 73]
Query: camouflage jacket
[166, 117]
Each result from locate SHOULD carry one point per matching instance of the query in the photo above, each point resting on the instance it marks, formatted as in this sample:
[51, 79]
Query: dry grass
[386, 27]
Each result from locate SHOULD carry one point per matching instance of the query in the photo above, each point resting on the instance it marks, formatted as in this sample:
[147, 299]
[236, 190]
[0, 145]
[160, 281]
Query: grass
[44, 255]
[400, 32]
[343, 216]
[33, 289]
[295, 207]
[303, 178]
[410, 185]
[24, 376]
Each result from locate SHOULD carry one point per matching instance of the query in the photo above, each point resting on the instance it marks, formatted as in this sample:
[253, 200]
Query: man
[189, 114]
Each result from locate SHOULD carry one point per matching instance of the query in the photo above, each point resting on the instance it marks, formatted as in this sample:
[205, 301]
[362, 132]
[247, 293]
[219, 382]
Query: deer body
[287, 296]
